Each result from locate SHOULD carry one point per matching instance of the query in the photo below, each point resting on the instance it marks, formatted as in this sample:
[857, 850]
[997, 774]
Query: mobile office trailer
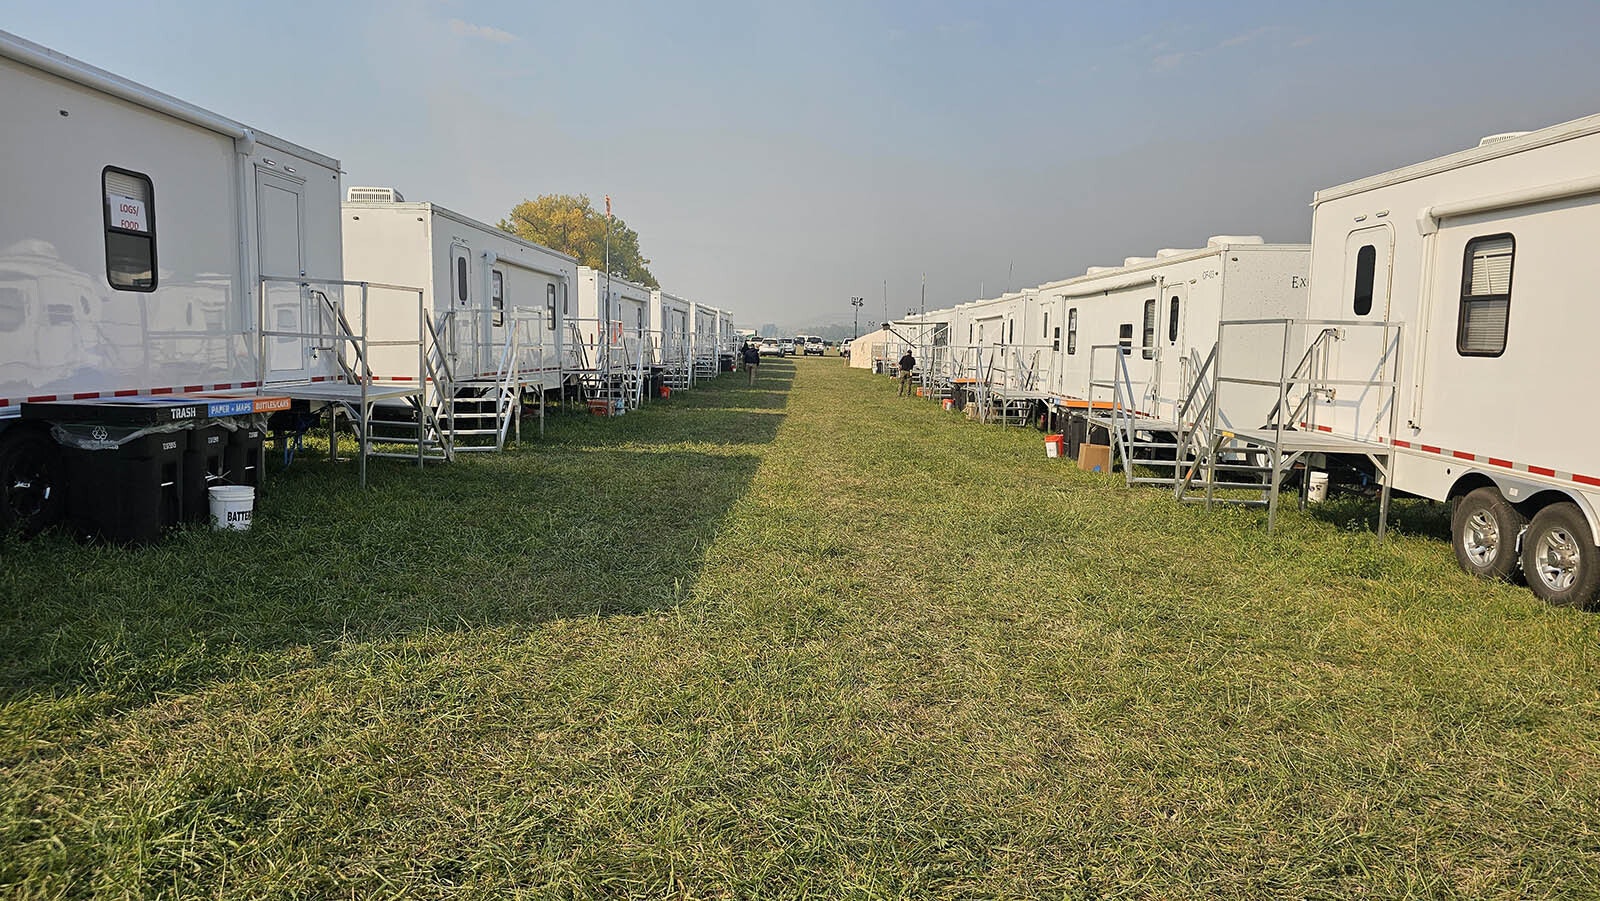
[614, 331]
[1480, 263]
[1162, 314]
[496, 303]
[729, 340]
[138, 233]
[705, 341]
[673, 317]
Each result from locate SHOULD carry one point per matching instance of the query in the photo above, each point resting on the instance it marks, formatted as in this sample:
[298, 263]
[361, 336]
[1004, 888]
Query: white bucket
[1317, 488]
[231, 506]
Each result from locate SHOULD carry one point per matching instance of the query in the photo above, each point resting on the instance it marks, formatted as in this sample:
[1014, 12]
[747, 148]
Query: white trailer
[151, 248]
[1162, 315]
[1480, 263]
[672, 316]
[705, 341]
[615, 331]
[494, 301]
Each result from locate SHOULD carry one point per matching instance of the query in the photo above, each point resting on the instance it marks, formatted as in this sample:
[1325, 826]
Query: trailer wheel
[32, 479]
[1484, 530]
[1559, 557]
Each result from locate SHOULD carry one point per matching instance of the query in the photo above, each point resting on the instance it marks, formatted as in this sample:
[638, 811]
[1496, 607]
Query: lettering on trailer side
[1299, 281]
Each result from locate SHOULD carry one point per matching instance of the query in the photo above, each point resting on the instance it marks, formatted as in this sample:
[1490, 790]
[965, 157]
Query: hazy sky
[777, 158]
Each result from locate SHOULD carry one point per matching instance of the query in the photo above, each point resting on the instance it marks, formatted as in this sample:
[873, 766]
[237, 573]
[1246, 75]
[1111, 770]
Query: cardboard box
[1094, 457]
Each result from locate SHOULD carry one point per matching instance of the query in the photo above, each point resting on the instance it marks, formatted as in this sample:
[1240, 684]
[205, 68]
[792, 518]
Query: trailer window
[1485, 296]
[1055, 342]
[1148, 336]
[461, 279]
[1172, 320]
[1125, 337]
[13, 308]
[1366, 268]
[1072, 330]
[1047, 324]
[130, 223]
[1011, 331]
[497, 296]
[550, 306]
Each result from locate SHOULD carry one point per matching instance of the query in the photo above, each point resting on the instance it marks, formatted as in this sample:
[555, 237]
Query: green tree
[570, 223]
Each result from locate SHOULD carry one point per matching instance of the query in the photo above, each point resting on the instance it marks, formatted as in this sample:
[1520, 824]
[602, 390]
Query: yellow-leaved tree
[570, 223]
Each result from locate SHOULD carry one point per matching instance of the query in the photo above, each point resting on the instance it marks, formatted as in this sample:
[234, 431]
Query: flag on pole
[608, 206]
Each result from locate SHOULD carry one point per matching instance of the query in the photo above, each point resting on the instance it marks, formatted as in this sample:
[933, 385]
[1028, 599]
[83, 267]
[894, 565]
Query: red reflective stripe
[1496, 461]
[1459, 455]
[1430, 449]
[86, 395]
[1399, 443]
[1585, 480]
[189, 389]
[41, 399]
[222, 387]
[159, 391]
[1541, 471]
[126, 392]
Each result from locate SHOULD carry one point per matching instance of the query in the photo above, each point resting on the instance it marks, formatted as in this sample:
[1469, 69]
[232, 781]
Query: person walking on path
[908, 365]
[752, 359]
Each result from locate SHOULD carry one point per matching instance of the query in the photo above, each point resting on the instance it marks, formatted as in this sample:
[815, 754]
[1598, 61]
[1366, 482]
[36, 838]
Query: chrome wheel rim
[1556, 559]
[1481, 538]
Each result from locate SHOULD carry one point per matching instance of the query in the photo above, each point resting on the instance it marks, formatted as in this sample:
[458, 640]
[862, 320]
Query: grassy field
[803, 639]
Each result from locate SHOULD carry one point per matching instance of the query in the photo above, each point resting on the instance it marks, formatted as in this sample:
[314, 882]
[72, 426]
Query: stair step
[1237, 502]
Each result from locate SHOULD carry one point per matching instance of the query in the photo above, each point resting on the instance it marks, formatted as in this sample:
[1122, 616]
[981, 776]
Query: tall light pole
[858, 303]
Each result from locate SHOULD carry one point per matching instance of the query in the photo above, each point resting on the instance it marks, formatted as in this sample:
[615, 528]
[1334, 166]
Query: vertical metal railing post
[1277, 440]
[364, 374]
[422, 377]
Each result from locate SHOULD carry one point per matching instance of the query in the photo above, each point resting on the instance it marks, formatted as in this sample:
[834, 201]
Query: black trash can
[242, 458]
[1075, 433]
[203, 466]
[128, 494]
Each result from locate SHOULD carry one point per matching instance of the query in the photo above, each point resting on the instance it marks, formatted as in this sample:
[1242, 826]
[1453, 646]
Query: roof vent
[1096, 270]
[1502, 136]
[1224, 240]
[373, 195]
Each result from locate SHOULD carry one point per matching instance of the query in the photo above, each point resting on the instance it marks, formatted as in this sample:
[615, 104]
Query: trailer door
[467, 330]
[1366, 353]
[280, 245]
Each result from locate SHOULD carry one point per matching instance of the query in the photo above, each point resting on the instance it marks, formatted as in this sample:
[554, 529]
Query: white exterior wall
[615, 300]
[1224, 281]
[421, 244]
[64, 330]
[674, 322]
[1513, 408]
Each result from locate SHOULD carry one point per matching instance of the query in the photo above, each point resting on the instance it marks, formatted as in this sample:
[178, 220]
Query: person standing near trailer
[752, 359]
[908, 365]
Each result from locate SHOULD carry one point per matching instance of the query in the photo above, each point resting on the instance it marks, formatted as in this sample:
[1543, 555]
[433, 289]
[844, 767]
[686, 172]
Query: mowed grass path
[803, 640]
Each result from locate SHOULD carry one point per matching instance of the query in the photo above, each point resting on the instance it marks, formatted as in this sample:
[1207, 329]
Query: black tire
[1559, 558]
[1483, 530]
[33, 479]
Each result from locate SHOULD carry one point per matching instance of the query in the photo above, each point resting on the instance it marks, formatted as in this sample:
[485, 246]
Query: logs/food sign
[127, 214]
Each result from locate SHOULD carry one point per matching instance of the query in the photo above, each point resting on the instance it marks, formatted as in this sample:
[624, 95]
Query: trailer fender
[1527, 495]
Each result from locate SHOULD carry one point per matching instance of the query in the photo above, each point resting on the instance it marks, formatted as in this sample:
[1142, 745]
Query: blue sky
[778, 158]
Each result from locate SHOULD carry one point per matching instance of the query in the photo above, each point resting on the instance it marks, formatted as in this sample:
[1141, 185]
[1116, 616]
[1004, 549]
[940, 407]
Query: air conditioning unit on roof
[373, 195]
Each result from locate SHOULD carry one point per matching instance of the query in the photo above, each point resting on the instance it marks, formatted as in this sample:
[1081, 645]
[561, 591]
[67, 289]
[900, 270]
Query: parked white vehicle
[1483, 261]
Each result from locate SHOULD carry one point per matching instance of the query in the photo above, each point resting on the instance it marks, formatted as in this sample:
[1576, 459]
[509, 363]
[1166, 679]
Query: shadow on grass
[1355, 511]
[579, 525]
